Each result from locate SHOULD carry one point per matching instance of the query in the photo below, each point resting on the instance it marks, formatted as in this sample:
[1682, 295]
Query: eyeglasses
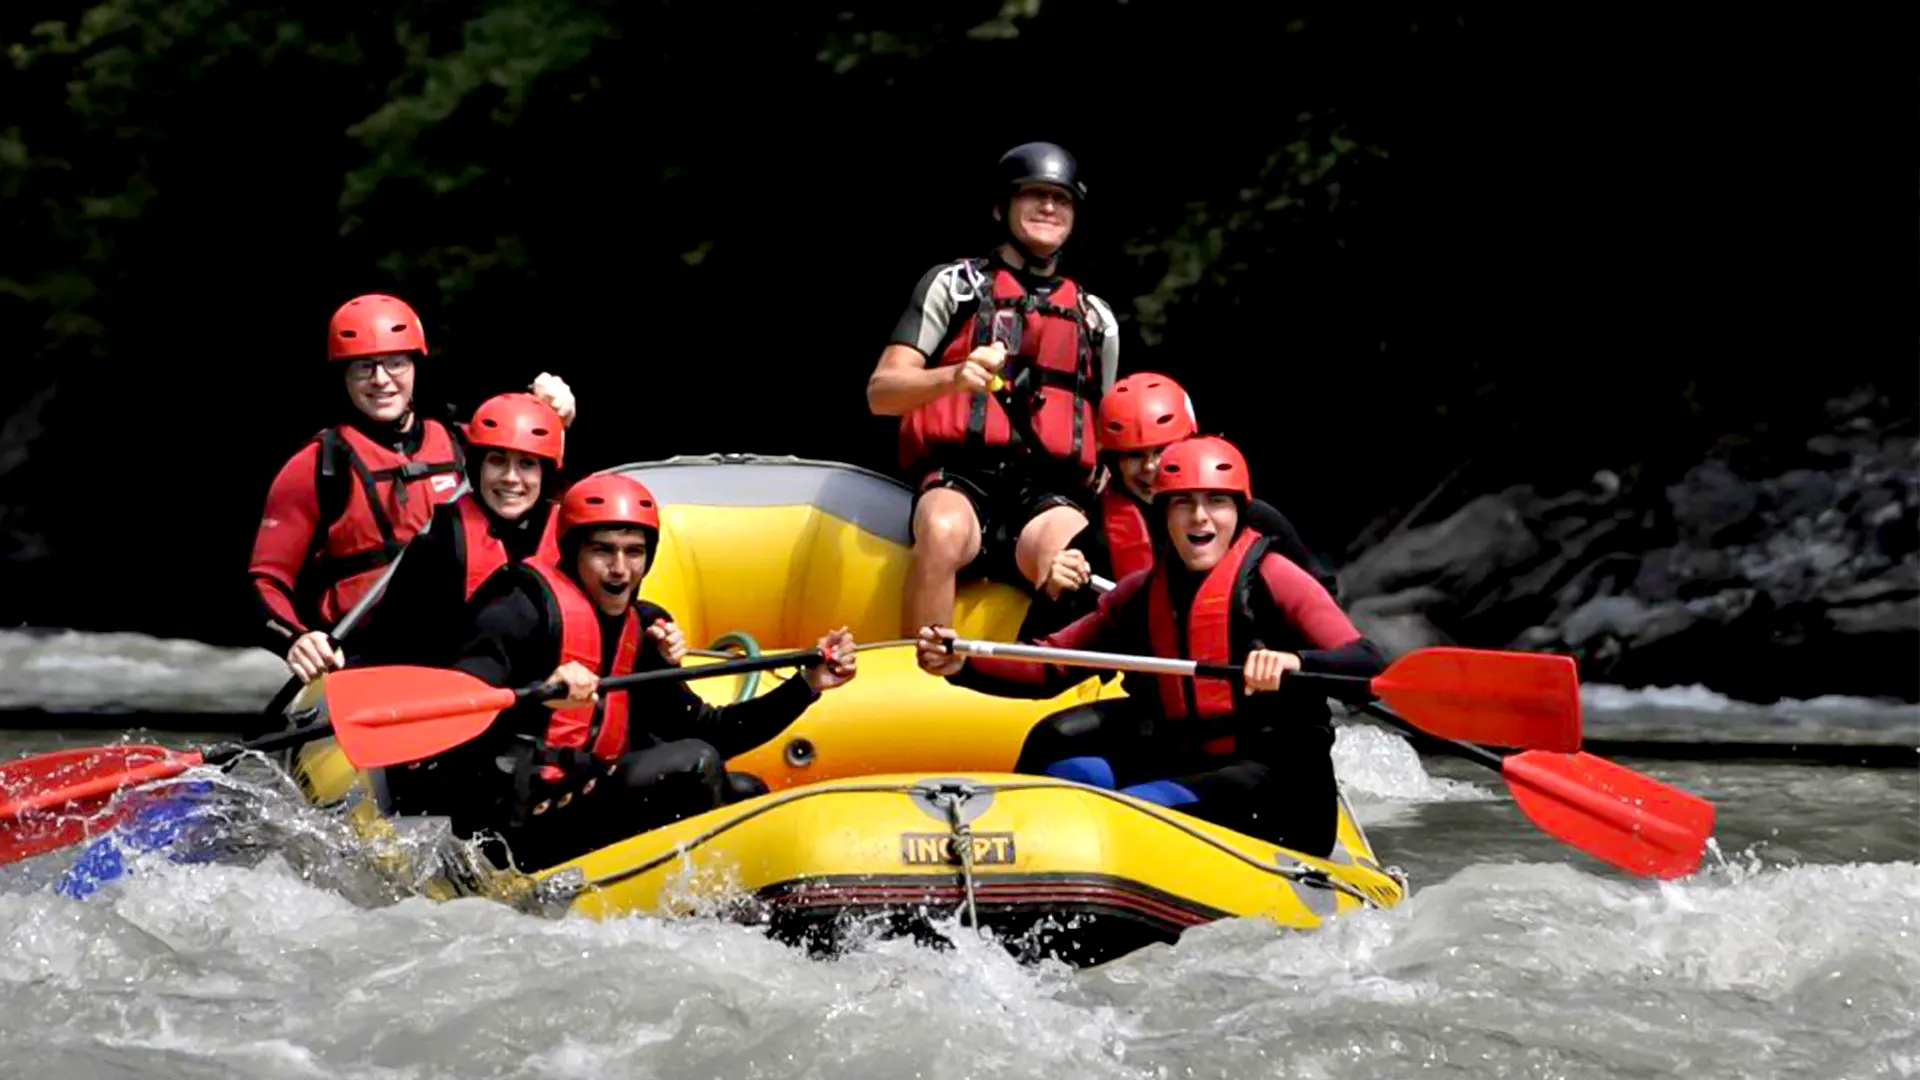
[397, 364]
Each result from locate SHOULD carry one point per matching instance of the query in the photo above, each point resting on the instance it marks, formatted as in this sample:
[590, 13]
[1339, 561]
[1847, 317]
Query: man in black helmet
[996, 371]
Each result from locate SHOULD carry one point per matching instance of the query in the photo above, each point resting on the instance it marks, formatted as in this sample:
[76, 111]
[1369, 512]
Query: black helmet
[1045, 163]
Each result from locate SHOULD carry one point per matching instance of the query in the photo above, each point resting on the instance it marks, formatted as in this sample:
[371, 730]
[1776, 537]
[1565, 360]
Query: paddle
[377, 714]
[85, 779]
[347, 622]
[1517, 699]
[369, 701]
[1623, 818]
[1619, 816]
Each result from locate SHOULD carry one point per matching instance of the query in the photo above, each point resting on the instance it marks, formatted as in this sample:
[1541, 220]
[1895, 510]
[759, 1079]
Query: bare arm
[902, 381]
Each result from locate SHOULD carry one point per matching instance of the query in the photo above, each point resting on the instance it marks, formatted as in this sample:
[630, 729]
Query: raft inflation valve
[800, 753]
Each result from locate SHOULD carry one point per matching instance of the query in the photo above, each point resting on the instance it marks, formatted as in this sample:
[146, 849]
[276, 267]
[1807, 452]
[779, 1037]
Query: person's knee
[707, 770]
[743, 786]
[688, 761]
[945, 531]
[1093, 771]
[1164, 792]
[1045, 536]
[1058, 737]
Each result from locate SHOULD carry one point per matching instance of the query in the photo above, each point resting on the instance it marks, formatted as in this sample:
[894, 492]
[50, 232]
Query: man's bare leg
[946, 537]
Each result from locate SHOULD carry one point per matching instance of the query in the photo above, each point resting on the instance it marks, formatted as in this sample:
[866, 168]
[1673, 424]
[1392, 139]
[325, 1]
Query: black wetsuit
[676, 748]
[1274, 781]
[1046, 615]
[423, 615]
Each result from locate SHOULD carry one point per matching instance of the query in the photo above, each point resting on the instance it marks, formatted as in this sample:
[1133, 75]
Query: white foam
[71, 671]
[1695, 713]
[1693, 697]
[1372, 763]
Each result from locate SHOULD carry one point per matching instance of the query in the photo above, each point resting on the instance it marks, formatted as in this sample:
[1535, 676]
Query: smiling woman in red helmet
[346, 504]
[517, 446]
[555, 781]
[1145, 413]
[1254, 757]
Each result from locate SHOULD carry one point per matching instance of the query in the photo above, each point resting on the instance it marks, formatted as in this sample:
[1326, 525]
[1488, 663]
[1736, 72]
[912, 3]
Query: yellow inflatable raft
[890, 799]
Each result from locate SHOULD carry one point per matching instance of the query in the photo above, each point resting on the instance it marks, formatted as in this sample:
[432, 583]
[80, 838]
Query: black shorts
[1005, 498]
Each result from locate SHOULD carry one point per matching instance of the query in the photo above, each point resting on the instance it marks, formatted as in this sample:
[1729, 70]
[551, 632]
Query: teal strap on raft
[743, 644]
[739, 643]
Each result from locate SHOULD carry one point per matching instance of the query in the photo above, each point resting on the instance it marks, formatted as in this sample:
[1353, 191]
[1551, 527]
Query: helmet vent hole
[595, 500]
[540, 431]
[349, 333]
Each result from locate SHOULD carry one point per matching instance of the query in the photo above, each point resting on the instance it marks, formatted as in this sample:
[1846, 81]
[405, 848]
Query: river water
[1796, 952]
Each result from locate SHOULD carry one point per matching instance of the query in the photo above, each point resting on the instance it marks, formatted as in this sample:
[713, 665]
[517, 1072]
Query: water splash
[1372, 763]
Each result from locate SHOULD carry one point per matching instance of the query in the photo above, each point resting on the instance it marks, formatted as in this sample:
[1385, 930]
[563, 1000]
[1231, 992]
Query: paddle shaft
[290, 689]
[492, 699]
[764, 662]
[398, 714]
[1548, 786]
[1477, 754]
[1151, 665]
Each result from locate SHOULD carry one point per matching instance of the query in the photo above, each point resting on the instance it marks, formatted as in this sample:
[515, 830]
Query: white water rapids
[1796, 956]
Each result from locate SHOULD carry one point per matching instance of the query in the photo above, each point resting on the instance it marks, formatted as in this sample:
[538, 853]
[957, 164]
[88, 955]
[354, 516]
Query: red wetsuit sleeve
[1104, 629]
[280, 549]
[1335, 646]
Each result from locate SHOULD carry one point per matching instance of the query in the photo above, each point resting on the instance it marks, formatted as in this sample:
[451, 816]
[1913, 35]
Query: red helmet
[1145, 410]
[1204, 463]
[373, 324]
[519, 422]
[608, 499]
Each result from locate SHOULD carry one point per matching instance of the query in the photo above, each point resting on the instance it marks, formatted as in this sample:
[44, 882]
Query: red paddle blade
[392, 715]
[1519, 699]
[61, 798]
[1619, 816]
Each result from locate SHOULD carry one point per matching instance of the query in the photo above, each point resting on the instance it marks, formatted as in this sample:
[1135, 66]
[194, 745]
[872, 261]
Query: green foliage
[1313, 217]
[1213, 246]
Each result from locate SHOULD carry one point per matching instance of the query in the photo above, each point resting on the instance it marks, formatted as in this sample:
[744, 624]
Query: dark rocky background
[1792, 574]
[1565, 330]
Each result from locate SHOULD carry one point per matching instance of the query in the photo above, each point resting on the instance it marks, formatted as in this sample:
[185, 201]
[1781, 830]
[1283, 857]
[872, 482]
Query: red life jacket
[1209, 634]
[392, 501]
[1053, 378]
[1129, 540]
[598, 730]
[483, 553]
